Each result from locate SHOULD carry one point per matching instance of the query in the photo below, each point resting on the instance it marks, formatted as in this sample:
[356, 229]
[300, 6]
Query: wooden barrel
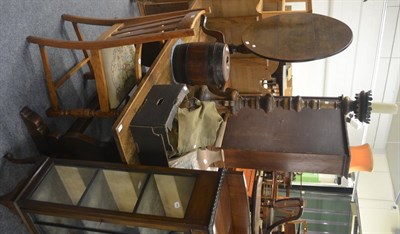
[201, 63]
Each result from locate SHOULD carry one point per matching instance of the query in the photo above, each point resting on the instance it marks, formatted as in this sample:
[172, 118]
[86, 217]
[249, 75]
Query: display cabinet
[293, 134]
[65, 196]
[312, 141]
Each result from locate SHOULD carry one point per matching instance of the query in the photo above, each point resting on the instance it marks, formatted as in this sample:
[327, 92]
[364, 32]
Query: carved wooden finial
[233, 102]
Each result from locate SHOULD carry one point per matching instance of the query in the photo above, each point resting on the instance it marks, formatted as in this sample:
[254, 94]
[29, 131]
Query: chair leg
[88, 76]
[44, 139]
[30, 160]
[138, 63]
[8, 199]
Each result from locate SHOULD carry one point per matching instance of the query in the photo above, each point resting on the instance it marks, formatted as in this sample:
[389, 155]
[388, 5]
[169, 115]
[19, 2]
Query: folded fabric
[197, 127]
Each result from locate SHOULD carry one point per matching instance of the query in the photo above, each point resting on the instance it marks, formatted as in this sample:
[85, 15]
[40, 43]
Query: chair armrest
[191, 18]
[109, 43]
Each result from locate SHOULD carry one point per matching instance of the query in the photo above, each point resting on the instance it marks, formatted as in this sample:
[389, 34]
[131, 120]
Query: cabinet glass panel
[166, 195]
[114, 190]
[89, 187]
[64, 185]
[51, 224]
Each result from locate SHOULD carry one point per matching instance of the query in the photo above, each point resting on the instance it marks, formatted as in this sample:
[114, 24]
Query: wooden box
[152, 122]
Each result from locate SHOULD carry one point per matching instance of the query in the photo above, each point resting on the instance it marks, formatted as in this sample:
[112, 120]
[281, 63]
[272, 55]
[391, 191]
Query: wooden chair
[118, 47]
[74, 143]
[292, 227]
[270, 186]
[283, 211]
[278, 210]
[295, 227]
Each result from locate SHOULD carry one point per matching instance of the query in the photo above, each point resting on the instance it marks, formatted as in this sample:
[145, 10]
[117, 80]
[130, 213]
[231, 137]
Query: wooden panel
[270, 8]
[248, 72]
[206, 184]
[307, 141]
[232, 27]
[313, 163]
[233, 212]
[223, 218]
[239, 203]
[232, 8]
[249, 175]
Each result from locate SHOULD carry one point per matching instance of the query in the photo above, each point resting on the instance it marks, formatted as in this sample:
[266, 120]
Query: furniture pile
[188, 84]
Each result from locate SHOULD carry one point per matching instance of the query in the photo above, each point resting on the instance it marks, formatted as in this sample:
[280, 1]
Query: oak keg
[201, 63]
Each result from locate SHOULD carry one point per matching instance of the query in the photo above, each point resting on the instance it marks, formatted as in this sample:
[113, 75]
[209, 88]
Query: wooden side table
[297, 37]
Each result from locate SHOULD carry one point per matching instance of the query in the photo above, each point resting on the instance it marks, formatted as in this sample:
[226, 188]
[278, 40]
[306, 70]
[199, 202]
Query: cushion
[119, 70]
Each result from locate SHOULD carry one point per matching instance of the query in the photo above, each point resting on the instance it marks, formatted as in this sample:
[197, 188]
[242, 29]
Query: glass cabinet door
[166, 195]
[132, 192]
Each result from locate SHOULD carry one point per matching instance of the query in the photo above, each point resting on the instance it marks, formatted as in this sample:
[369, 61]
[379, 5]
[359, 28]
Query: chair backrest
[270, 187]
[113, 55]
[361, 158]
[284, 210]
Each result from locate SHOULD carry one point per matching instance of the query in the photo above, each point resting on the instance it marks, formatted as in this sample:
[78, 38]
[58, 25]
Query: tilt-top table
[297, 37]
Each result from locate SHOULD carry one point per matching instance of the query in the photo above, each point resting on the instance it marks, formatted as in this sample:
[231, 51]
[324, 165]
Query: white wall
[375, 199]
[371, 62]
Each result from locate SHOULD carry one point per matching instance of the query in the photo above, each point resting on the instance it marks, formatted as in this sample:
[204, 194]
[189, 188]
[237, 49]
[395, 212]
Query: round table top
[297, 37]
